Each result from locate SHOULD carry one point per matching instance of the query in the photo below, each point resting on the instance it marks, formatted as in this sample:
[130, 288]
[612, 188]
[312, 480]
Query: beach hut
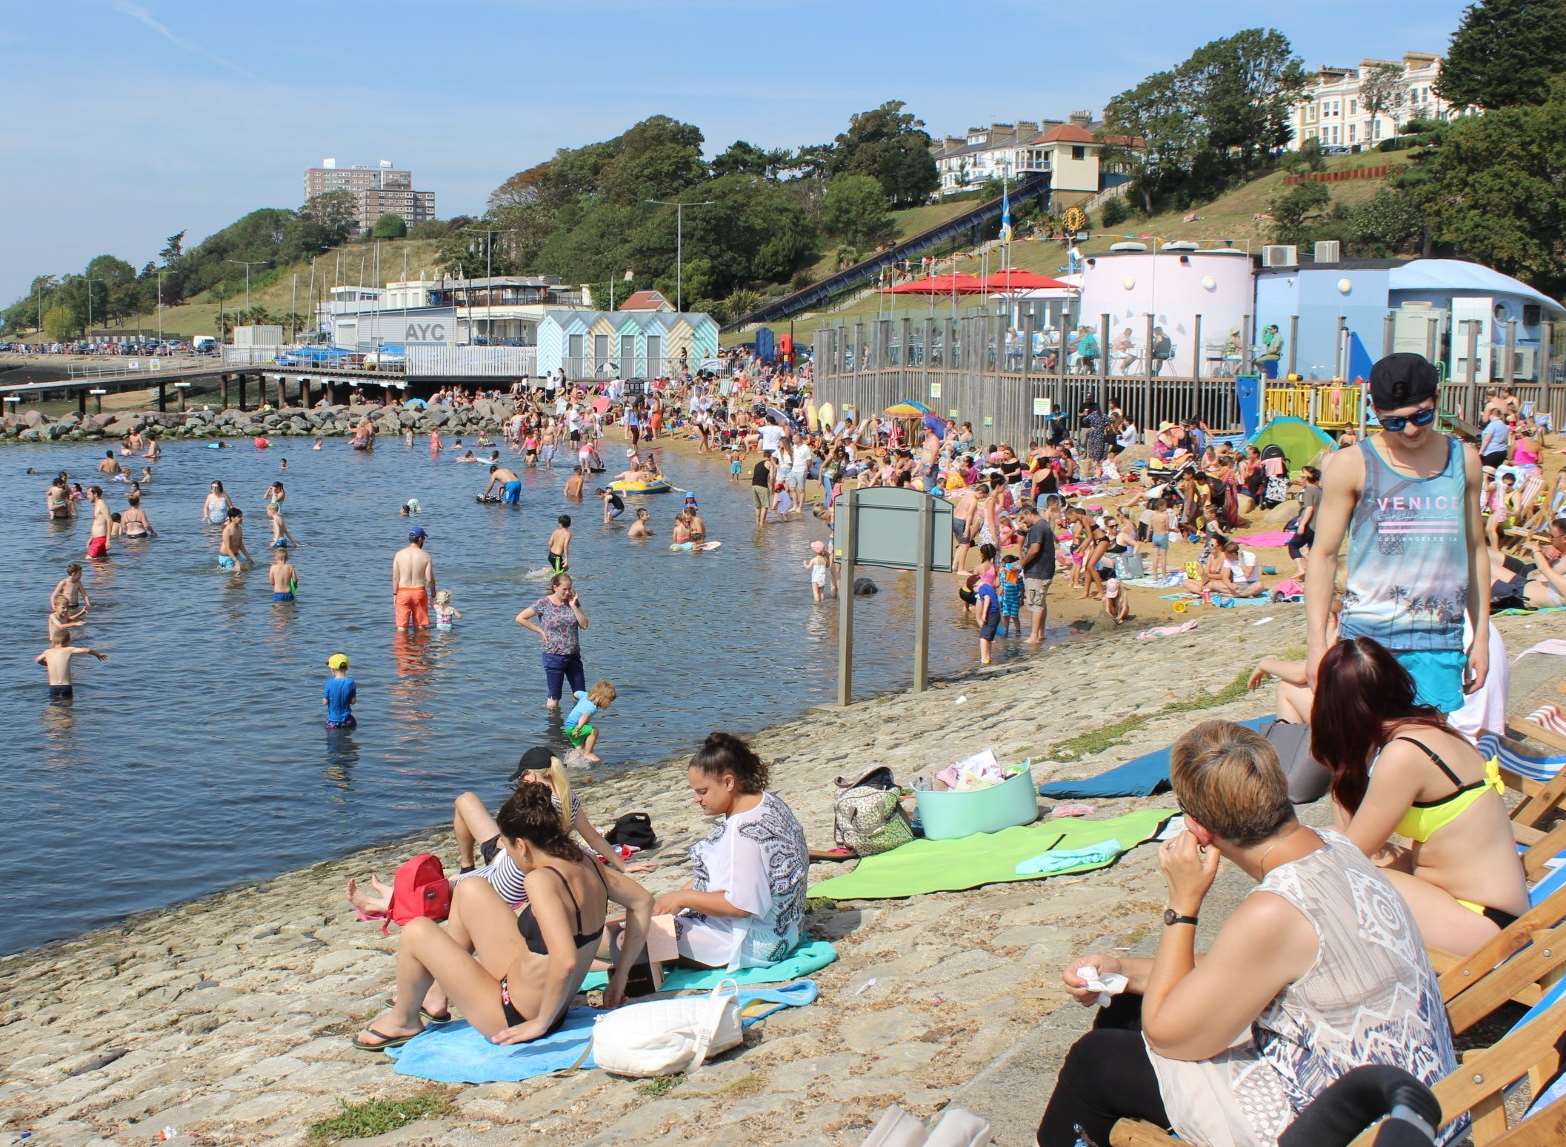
[602, 350]
[704, 337]
[656, 327]
[1300, 442]
[630, 345]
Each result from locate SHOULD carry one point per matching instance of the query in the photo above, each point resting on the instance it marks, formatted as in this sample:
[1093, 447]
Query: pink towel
[1272, 541]
[1165, 631]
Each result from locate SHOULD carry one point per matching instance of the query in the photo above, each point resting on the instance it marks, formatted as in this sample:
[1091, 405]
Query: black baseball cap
[1402, 379]
[535, 759]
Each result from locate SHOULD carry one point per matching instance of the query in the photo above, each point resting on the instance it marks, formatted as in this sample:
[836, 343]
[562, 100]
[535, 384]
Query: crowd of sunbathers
[530, 912]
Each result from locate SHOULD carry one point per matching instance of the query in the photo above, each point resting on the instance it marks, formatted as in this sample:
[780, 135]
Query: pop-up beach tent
[1300, 442]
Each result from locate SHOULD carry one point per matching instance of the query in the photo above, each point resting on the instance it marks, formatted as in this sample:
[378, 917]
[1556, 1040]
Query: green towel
[984, 858]
[806, 958]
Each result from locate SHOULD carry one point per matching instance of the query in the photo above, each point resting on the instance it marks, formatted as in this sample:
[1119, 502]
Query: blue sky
[127, 121]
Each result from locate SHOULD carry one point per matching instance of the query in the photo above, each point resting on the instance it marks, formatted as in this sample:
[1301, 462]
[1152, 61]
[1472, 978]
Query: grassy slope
[1230, 216]
[199, 316]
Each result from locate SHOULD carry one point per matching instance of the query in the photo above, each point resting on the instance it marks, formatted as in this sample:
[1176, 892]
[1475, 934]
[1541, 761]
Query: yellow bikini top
[1426, 818]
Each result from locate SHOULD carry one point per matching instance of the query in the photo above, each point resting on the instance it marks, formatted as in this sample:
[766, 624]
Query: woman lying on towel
[1319, 970]
[513, 976]
[1399, 767]
[744, 905]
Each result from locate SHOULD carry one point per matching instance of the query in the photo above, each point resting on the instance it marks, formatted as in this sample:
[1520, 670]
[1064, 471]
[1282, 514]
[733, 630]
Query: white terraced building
[1332, 111]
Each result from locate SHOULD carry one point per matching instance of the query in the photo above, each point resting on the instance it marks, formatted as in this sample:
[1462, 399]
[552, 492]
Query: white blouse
[758, 861]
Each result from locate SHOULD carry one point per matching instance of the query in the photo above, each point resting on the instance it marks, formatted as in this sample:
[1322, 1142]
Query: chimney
[1081, 118]
[1026, 127]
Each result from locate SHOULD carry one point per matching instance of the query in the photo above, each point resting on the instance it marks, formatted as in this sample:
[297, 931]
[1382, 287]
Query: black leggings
[1107, 1076]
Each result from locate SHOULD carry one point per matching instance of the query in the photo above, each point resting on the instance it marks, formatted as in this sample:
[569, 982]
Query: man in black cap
[1408, 499]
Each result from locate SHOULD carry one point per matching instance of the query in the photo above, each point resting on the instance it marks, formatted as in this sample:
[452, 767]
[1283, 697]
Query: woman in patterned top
[560, 622]
[744, 906]
[1320, 969]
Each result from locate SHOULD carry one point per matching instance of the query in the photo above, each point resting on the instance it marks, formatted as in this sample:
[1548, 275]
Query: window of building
[1351, 133]
[1079, 152]
[1353, 106]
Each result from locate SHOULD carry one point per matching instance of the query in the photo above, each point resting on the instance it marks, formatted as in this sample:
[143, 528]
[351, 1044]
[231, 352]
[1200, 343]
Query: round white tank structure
[1174, 286]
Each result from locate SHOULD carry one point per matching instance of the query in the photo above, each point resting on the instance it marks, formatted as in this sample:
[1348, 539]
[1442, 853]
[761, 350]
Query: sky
[124, 122]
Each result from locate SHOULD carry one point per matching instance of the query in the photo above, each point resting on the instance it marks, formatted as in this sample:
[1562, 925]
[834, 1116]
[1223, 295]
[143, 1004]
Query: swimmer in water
[614, 505]
[133, 521]
[110, 464]
[154, 451]
[281, 538]
[215, 507]
[231, 546]
[62, 619]
[504, 486]
[317, 444]
[560, 545]
[573, 486]
[70, 590]
[284, 579]
[56, 661]
[57, 500]
[639, 527]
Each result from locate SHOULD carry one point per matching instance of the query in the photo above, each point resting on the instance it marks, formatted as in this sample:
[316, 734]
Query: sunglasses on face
[1394, 423]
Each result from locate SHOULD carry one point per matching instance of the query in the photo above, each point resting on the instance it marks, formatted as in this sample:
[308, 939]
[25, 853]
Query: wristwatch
[1173, 917]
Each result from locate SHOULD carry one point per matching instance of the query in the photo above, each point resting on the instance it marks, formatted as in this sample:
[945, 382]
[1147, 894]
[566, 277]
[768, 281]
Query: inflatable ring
[656, 486]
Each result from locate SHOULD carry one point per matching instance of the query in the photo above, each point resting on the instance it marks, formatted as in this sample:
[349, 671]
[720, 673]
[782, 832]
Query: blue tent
[318, 354]
[766, 345]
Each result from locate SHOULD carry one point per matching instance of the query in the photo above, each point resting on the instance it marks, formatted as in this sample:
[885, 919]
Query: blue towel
[1224, 601]
[806, 958]
[1058, 860]
[1142, 777]
[459, 1053]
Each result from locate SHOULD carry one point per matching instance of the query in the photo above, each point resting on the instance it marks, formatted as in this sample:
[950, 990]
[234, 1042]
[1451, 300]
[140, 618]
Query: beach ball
[1180, 607]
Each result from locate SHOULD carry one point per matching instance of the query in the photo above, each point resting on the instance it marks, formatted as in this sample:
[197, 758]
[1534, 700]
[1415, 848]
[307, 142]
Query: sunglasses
[1394, 424]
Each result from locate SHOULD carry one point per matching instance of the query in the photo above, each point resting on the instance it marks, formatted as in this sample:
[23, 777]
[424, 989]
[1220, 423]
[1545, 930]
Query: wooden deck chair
[1533, 518]
[1478, 1086]
[1546, 1128]
[1483, 969]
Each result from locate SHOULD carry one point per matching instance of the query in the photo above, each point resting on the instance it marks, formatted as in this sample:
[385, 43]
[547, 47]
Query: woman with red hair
[1399, 768]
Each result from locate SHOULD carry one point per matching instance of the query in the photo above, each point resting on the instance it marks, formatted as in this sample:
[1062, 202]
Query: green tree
[1381, 92]
[1295, 210]
[656, 159]
[856, 211]
[1245, 87]
[60, 322]
[741, 158]
[1114, 213]
[892, 146]
[390, 226]
[1504, 52]
[173, 247]
[1152, 132]
[326, 221]
[1388, 223]
[1496, 188]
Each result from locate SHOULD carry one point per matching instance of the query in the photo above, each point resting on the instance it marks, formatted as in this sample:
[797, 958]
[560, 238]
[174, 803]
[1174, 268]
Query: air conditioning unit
[1328, 251]
[1525, 363]
[1279, 255]
[1128, 246]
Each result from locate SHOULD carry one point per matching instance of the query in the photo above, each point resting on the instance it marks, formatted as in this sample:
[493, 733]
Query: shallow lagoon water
[196, 758]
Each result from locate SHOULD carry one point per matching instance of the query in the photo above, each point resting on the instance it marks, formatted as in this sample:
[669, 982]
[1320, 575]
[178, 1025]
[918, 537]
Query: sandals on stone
[385, 1041]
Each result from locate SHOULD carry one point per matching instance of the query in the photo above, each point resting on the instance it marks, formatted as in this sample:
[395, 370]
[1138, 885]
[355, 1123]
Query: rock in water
[864, 587]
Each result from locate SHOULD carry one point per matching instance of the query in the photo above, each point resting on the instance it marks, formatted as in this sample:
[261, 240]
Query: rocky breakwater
[289, 421]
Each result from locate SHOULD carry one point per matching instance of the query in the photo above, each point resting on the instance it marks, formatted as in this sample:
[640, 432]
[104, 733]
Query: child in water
[578, 729]
[56, 661]
[820, 567]
[339, 694]
[445, 612]
[736, 462]
[560, 545]
[1011, 595]
[285, 582]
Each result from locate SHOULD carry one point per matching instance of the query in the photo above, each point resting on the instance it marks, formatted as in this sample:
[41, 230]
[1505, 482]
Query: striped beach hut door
[601, 355]
[574, 356]
[628, 356]
[654, 356]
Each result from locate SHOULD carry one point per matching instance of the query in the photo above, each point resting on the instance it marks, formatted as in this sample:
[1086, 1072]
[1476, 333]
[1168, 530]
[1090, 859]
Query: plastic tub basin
[948, 815]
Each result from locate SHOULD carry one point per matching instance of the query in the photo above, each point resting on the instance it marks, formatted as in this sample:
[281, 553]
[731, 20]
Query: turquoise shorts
[225, 562]
[1438, 676]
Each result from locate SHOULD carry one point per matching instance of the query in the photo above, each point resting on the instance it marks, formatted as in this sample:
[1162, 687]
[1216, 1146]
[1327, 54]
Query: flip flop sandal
[386, 1041]
[434, 1018]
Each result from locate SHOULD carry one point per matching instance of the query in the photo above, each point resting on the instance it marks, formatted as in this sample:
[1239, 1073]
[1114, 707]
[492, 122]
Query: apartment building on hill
[379, 190]
[1333, 109]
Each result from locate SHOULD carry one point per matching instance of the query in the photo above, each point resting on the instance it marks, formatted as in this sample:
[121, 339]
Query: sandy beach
[228, 1018]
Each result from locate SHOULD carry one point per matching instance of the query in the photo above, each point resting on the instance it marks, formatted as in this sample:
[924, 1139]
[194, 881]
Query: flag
[1005, 227]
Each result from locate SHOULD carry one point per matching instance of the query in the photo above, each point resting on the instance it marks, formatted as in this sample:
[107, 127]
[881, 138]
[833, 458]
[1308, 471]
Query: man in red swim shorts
[413, 581]
[98, 541]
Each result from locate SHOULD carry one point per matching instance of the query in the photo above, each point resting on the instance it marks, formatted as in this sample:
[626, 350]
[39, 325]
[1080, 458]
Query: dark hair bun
[724, 753]
[530, 815]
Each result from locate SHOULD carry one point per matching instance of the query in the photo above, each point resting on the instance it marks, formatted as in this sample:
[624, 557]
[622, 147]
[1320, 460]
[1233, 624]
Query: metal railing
[123, 365]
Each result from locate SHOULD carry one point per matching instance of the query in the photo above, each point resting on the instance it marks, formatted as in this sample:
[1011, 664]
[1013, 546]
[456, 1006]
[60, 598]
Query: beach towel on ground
[803, 960]
[985, 858]
[1224, 601]
[1162, 581]
[1142, 777]
[459, 1053]
[1270, 541]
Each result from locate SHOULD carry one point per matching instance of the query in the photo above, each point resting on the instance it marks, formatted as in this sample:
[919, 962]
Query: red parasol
[1018, 280]
[960, 283]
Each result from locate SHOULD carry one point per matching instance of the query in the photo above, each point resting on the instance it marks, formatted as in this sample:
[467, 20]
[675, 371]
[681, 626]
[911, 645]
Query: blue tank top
[1408, 556]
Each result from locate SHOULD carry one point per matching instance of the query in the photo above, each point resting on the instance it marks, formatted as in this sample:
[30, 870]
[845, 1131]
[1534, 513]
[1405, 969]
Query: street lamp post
[90, 282]
[160, 304]
[679, 242]
[489, 287]
[247, 264]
